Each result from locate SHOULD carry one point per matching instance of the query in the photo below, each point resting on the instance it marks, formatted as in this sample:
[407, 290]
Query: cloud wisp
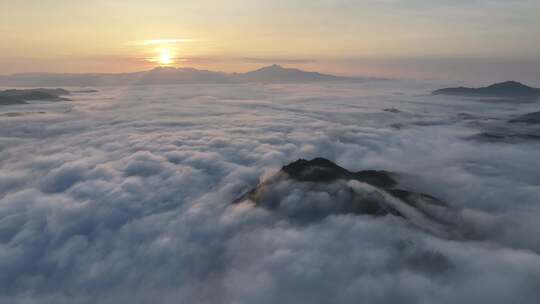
[159, 42]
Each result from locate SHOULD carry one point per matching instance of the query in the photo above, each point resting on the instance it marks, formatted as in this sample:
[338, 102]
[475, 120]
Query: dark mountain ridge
[307, 191]
[530, 118]
[169, 75]
[277, 73]
[10, 97]
[508, 89]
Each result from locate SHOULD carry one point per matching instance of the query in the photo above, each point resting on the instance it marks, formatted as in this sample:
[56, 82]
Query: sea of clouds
[124, 196]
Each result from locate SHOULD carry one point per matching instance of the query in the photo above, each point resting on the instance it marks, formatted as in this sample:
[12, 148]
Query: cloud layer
[123, 196]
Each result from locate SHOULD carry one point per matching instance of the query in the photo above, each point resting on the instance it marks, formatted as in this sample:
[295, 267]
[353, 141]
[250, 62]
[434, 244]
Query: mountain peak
[509, 85]
[318, 169]
[275, 66]
[271, 68]
[278, 73]
[163, 68]
[368, 192]
[507, 89]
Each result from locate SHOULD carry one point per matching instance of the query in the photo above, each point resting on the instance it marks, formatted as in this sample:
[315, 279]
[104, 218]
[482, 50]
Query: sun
[165, 56]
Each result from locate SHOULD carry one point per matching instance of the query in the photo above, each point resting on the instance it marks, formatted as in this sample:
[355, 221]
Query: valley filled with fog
[125, 194]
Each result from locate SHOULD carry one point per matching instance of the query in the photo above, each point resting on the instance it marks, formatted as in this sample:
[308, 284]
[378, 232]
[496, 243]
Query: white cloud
[124, 196]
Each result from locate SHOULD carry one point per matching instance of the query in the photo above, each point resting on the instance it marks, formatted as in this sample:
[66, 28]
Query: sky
[414, 38]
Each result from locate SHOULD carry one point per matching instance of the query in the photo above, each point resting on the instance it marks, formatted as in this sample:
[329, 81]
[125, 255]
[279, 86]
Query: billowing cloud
[124, 196]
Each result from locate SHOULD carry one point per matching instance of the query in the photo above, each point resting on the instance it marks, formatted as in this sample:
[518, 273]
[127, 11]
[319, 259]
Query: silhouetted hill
[277, 73]
[8, 97]
[324, 170]
[531, 118]
[167, 75]
[508, 89]
[303, 189]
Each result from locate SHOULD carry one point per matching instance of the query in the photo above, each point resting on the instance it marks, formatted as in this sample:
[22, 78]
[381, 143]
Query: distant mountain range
[168, 75]
[276, 73]
[508, 89]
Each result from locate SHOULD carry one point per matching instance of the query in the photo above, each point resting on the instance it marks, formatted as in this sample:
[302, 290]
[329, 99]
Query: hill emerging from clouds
[507, 89]
[169, 75]
[13, 97]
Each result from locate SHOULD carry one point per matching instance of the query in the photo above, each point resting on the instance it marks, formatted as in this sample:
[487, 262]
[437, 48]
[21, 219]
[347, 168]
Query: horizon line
[176, 68]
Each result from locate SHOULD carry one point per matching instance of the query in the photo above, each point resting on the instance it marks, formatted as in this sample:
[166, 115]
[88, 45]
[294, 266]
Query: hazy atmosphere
[440, 39]
[246, 152]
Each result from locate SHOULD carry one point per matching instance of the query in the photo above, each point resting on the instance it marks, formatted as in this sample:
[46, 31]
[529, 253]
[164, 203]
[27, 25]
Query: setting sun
[165, 56]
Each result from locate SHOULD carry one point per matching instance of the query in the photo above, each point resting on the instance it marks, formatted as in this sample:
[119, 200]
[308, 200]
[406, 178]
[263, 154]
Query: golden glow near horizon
[163, 51]
[166, 41]
[165, 56]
